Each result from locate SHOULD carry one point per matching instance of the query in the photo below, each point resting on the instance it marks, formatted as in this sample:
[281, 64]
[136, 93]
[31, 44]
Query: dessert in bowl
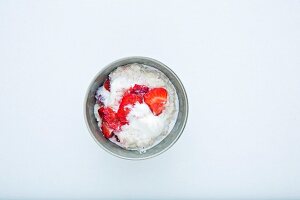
[136, 108]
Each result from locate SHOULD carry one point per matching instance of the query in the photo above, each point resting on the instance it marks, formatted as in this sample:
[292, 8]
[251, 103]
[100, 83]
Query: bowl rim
[181, 129]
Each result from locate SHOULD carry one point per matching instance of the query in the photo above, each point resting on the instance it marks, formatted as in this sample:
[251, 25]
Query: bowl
[114, 149]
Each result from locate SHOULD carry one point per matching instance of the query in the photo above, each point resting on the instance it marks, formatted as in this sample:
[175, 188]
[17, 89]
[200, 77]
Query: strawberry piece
[139, 89]
[106, 84]
[106, 131]
[110, 117]
[156, 99]
[122, 115]
[127, 101]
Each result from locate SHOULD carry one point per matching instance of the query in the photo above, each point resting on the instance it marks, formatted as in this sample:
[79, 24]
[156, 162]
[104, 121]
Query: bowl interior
[113, 148]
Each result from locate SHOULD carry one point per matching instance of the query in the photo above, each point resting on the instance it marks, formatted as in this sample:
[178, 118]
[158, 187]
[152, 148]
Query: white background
[239, 62]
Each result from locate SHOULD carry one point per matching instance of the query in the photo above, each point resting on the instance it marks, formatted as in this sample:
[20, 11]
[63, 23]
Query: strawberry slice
[106, 84]
[124, 108]
[110, 117]
[156, 99]
[106, 131]
[139, 89]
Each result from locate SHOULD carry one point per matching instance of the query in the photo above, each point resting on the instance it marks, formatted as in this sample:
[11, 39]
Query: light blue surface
[239, 62]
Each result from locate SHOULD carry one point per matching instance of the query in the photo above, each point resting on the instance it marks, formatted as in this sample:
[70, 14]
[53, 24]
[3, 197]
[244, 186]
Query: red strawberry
[156, 99]
[106, 84]
[122, 114]
[127, 100]
[109, 116]
[106, 131]
[139, 89]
